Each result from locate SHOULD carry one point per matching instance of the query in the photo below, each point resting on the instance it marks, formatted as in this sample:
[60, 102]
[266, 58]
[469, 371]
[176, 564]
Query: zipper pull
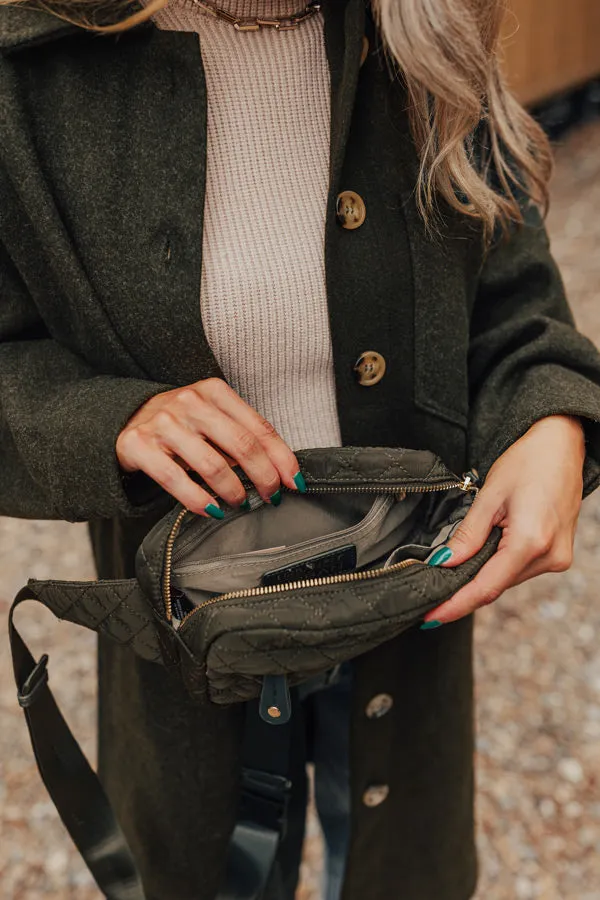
[275, 702]
[470, 480]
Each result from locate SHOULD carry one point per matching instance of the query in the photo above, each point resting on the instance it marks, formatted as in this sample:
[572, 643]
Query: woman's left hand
[533, 492]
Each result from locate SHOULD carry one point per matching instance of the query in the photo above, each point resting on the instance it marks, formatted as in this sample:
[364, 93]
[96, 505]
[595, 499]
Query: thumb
[474, 530]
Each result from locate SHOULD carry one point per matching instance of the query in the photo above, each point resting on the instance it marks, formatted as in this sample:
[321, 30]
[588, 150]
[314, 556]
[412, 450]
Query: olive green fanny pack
[248, 606]
[290, 590]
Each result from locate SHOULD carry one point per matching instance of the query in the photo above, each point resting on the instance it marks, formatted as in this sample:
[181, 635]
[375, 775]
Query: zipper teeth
[383, 488]
[169, 562]
[465, 485]
[305, 583]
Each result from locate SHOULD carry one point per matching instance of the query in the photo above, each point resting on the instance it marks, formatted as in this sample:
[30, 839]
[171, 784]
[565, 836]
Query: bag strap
[76, 790]
[265, 795]
[71, 782]
[117, 609]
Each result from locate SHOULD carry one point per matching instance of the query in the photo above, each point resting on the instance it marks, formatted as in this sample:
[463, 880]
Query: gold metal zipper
[169, 563]
[467, 484]
[307, 582]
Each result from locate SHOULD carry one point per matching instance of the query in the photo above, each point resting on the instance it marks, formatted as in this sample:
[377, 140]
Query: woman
[221, 258]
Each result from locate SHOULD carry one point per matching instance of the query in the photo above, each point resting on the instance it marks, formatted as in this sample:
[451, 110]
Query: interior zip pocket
[467, 485]
[423, 552]
[221, 573]
[189, 542]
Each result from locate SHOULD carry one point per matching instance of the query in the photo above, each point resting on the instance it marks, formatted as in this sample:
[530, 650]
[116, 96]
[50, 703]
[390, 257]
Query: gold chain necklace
[278, 23]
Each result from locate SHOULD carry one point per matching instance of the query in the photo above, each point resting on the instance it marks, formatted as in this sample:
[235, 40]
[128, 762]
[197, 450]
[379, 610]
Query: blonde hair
[478, 148]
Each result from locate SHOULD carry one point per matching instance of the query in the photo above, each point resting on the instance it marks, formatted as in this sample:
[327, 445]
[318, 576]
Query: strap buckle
[265, 798]
[37, 678]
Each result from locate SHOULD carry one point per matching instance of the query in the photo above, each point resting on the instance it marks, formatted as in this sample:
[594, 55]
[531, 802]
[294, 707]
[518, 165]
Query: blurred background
[537, 649]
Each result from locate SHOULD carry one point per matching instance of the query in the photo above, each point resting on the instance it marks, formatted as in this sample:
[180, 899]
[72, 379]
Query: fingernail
[215, 511]
[433, 623]
[442, 556]
[300, 482]
[275, 498]
[245, 505]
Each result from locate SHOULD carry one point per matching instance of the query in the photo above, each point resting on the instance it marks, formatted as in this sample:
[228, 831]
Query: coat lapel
[22, 27]
[152, 265]
[369, 275]
[344, 30]
[132, 174]
[393, 286]
[123, 157]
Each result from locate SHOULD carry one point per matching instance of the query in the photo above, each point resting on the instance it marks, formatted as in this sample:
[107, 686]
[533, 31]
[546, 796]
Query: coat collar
[21, 27]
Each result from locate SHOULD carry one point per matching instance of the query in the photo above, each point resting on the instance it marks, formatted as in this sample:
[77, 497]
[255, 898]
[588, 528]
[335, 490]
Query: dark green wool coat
[102, 171]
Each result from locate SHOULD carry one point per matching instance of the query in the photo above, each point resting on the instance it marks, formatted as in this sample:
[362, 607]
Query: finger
[498, 574]
[228, 459]
[202, 458]
[280, 455]
[153, 460]
[486, 511]
[210, 421]
[559, 559]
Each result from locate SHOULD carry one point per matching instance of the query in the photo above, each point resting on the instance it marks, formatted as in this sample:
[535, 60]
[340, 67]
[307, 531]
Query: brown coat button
[365, 49]
[376, 794]
[350, 209]
[379, 706]
[369, 368]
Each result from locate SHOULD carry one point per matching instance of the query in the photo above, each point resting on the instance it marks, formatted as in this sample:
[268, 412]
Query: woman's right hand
[207, 427]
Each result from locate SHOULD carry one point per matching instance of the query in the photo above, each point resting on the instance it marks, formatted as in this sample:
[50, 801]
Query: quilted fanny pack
[251, 605]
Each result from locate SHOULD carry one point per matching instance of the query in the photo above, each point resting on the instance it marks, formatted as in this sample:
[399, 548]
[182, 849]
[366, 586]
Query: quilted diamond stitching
[87, 607]
[228, 686]
[412, 580]
[347, 464]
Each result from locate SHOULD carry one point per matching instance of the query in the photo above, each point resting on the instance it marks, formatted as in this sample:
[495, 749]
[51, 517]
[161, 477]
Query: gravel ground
[537, 663]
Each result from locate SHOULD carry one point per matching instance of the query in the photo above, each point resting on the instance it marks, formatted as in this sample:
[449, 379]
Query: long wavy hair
[479, 149]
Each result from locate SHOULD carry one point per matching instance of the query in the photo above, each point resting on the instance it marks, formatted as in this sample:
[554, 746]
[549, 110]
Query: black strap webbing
[265, 795]
[88, 815]
[71, 782]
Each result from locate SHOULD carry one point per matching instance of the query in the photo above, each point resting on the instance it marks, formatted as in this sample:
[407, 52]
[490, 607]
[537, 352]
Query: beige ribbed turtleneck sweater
[262, 295]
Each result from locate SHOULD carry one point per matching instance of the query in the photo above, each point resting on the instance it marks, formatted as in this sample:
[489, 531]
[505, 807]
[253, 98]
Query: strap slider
[37, 678]
[265, 798]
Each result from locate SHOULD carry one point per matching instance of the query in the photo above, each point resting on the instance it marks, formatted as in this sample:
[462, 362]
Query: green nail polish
[275, 498]
[215, 511]
[427, 626]
[245, 505]
[442, 556]
[300, 482]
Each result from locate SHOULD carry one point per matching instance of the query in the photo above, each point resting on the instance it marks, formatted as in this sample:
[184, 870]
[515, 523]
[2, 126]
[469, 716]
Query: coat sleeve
[59, 421]
[527, 360]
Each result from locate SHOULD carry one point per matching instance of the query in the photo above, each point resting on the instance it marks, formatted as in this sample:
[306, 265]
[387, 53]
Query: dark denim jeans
[331, 708]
